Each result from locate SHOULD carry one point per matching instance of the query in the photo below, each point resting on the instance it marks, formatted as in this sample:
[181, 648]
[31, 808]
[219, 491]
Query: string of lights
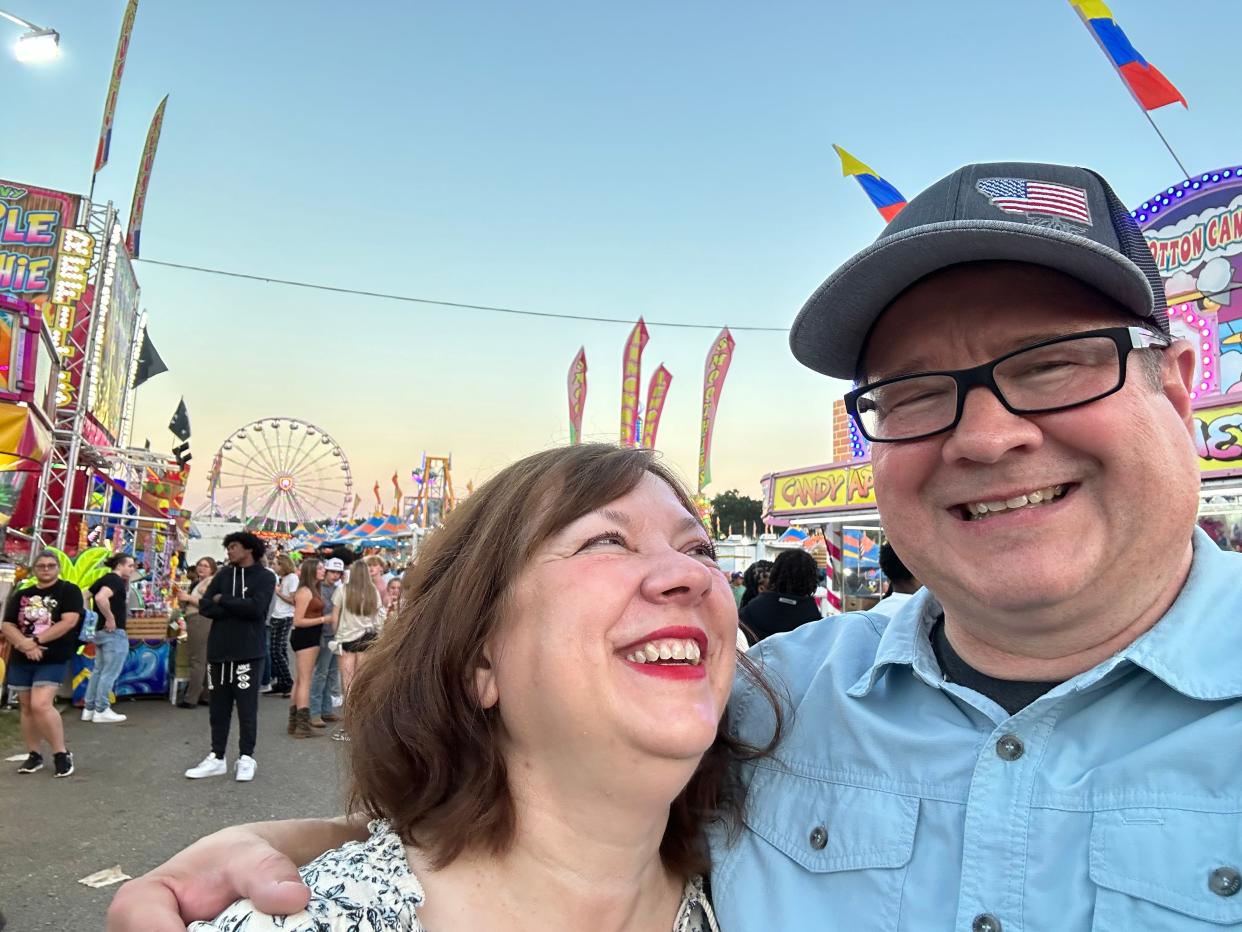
[314, 286]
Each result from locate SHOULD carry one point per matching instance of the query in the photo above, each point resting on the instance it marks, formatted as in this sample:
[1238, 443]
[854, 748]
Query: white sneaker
[211, 766]
[107, 716]
[88, 715]
[244, 771]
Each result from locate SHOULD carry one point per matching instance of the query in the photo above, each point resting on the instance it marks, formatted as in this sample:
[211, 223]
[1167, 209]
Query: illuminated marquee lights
[1190, 313]
[1170, 196]
[859, 448]
[73, 261]
[104, 303]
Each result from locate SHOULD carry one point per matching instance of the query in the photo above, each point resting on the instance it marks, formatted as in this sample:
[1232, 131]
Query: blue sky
[666, 159]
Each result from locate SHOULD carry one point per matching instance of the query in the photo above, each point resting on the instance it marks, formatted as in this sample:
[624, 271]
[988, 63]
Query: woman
[755, 580]
[540, 729]
[356, 610]
[282, 622]
[308, 621]
[393, 605]
[111, 594]
[788, 599]
[197, 627]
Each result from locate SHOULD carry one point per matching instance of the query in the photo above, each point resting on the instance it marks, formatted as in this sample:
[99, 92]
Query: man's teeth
[666, 651]
[978, 510]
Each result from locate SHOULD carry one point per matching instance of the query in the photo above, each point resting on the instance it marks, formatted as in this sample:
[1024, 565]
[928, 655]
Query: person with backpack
[111, 598]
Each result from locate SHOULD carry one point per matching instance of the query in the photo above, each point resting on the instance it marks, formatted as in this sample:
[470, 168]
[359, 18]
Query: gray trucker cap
[1057, 216]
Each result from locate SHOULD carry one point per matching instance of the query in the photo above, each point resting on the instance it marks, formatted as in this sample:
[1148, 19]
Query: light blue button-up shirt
[899, 801]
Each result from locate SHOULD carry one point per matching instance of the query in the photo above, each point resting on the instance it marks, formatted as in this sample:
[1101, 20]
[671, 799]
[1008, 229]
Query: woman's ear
[485, 686]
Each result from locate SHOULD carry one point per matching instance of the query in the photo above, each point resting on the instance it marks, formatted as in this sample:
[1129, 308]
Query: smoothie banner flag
[576, 386]
[1149, 88]
[884, 197]
[379, 503]
[718, 359]
[631, 374]
[144, 179]
[114, 88]
[657, 391]
[396, 494]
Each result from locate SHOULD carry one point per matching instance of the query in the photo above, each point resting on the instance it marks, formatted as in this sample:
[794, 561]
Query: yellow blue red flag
[1149, 88]
[887, 199]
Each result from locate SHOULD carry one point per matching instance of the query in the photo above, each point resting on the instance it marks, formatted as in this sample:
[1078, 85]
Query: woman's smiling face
[570, 665]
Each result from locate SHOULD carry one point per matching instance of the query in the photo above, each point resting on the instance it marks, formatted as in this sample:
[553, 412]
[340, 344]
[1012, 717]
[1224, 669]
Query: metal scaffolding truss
[69, 453]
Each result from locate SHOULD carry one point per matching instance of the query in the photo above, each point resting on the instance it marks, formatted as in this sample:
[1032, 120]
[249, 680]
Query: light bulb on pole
[38, 45]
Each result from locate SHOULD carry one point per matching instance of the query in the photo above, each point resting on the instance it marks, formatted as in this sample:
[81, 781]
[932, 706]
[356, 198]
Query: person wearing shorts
[41, 622]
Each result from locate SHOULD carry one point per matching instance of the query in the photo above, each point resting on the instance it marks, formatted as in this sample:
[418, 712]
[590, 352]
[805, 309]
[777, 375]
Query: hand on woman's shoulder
[365, 886]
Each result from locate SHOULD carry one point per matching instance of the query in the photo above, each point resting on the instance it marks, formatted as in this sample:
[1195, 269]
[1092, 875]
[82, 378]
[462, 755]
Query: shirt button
[1009, 747]
[819, 838]
[1225, 881]
[985, 922]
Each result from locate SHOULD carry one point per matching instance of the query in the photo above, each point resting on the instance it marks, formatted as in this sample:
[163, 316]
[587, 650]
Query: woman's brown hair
[284, 565]
[307, 575]
[361, 596]
[423, 753]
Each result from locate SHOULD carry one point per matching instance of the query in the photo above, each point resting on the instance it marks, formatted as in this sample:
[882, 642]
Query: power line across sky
[457, 304]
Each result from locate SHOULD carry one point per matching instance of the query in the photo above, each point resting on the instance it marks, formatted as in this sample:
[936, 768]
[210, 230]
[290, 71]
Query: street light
[37, 45]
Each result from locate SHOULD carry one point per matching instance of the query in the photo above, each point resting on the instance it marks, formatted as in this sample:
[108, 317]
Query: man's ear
[485, 686]
[1178, 377]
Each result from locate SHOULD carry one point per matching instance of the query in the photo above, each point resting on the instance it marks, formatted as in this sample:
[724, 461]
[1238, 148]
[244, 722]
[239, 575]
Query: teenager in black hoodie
[236, 600]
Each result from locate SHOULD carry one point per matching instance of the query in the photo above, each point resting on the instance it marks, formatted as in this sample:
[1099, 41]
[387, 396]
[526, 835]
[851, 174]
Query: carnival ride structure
[279, 474]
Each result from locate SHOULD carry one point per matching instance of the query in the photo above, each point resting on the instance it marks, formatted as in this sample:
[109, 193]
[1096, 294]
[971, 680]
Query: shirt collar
[1193, 649]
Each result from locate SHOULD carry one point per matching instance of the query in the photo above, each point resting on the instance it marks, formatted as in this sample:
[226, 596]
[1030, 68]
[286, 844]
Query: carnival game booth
[143, 518]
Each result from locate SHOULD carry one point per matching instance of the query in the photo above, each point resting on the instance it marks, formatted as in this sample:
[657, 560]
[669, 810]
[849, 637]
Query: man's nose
[988, 430]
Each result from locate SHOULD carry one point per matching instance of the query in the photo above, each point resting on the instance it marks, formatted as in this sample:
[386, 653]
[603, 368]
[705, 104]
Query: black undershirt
[1011, 695]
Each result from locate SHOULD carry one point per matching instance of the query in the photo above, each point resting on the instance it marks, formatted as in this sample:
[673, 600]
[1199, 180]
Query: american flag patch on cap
[1020, 196]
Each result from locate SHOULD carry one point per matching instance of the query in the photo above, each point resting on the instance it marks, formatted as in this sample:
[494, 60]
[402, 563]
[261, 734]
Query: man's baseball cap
[334, 563]
[1057, 216]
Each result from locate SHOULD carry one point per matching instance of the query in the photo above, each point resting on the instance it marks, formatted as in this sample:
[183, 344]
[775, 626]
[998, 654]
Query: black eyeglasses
[1051, 376]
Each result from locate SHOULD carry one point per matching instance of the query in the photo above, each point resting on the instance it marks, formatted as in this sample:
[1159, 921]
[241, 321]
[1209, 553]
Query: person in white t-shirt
[901, 582]
[281, 624]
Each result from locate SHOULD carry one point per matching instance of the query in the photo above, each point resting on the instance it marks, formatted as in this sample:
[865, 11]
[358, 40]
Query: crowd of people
[252, 623]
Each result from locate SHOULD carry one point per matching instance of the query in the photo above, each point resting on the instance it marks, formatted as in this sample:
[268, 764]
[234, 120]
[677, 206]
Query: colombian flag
[887, 199]
[1149, 87]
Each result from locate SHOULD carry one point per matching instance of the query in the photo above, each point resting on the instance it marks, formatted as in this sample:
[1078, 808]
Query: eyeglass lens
[1039, 379]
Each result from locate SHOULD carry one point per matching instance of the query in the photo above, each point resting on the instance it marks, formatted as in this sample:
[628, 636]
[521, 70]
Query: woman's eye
[614, 538]
[704, 550]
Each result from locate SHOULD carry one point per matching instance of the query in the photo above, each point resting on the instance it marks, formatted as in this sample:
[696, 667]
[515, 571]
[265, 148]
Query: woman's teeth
[667, 651]
[976, 511]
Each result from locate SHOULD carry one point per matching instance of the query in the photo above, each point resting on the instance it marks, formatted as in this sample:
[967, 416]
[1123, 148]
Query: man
[901, 582]
[738, 587]
[236, 601]
[41, 622]
[1046, 736]
[326, 678]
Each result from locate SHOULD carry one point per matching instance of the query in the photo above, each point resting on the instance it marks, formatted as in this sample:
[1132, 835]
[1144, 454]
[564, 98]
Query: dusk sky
[670, 160]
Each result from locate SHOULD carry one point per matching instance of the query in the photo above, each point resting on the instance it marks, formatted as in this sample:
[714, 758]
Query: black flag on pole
[180, 423]
[149, 362]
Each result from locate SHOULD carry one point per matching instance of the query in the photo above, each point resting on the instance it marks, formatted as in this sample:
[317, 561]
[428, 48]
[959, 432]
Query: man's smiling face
[1110, 458]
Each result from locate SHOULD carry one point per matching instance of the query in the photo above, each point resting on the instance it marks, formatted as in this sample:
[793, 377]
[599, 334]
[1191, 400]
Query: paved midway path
[128, 803]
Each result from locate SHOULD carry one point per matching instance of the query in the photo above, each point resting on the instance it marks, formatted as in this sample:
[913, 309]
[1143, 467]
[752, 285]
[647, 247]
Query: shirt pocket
[857, 841]
[1162, 870]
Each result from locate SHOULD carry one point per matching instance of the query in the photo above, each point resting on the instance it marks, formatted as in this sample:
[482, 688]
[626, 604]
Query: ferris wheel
[279, 472]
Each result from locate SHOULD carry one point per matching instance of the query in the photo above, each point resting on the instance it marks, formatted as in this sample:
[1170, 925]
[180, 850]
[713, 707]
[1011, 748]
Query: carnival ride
[435, 497]
[279, 473]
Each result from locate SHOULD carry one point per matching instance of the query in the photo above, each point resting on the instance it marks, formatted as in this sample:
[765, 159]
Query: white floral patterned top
[367, 886]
